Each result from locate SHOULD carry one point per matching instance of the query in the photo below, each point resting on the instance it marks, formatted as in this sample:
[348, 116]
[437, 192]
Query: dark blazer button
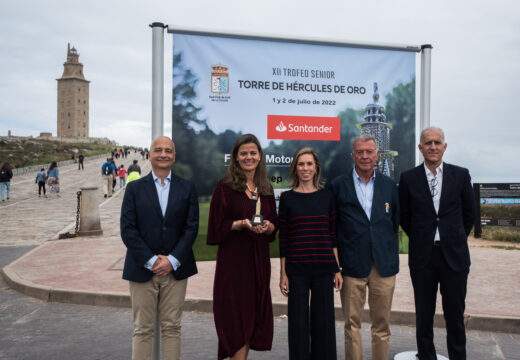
[438, 219]
[164, 227]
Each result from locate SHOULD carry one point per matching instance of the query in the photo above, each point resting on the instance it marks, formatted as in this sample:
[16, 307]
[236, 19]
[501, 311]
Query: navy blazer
[363, 242]
[146, 233]
[455, 218]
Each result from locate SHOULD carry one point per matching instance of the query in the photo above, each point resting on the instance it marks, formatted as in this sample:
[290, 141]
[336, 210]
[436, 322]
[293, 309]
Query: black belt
[437, 243]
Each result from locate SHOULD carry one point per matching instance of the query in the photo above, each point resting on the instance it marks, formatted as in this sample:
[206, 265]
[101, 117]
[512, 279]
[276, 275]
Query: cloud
[474, 61]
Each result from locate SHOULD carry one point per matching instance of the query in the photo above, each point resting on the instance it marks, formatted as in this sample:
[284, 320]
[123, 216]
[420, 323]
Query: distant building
[375, 124]
[73, 98]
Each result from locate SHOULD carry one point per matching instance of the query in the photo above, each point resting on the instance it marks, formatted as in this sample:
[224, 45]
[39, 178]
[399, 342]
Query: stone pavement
[87, 270]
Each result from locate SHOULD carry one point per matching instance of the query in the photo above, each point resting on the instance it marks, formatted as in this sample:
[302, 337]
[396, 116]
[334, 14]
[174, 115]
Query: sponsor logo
[219, 79]
[281, 127]
[287, 127]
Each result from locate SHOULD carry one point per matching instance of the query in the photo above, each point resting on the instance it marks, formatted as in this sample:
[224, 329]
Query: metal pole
[425, 94]
[157, 79]
[425, 91]
[157, 126]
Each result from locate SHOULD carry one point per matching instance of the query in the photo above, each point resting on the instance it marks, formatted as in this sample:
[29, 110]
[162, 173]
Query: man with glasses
[437, 213]
[367, 208]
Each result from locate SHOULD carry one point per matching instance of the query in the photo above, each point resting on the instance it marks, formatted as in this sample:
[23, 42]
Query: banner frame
[171, 29]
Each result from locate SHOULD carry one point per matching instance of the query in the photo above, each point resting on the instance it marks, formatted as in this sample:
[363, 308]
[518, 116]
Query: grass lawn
[205, 252]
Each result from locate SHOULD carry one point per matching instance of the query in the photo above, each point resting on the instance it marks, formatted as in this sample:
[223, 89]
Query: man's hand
[162, 266]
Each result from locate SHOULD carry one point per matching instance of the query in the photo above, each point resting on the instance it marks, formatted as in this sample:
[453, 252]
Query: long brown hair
[317, 180]
[235, 176]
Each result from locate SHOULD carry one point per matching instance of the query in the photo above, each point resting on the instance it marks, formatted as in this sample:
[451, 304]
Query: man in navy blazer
[437, 213]
[159, 223]
[367, 208]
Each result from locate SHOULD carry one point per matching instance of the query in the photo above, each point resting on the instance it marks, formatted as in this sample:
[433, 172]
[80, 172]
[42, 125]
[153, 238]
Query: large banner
[288, 94]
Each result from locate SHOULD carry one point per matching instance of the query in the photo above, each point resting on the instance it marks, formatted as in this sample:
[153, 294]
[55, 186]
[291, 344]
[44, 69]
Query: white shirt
[437, 198]
[163, 191]
[364, 192]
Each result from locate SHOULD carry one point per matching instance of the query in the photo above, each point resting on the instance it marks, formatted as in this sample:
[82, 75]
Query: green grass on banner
[205, 252]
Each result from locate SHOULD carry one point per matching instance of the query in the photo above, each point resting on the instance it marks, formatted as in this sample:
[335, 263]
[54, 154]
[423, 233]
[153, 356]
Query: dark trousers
[80, 165]
[453, 286]
[41, 185]
[311, 335]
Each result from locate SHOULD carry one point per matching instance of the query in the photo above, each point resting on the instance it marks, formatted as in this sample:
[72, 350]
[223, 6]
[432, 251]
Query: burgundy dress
[242, 304]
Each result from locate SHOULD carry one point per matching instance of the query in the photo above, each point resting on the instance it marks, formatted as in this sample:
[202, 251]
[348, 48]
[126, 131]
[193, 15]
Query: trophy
[257, 218]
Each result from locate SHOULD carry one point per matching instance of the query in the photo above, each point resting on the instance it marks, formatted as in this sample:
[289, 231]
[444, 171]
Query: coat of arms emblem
[219, 79]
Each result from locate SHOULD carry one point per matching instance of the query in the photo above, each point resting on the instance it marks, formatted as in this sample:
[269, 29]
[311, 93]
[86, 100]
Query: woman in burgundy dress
[242, 304]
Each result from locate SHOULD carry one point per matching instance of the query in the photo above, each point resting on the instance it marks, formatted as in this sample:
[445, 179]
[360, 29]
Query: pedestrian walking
[122, 176]
[114, 177]
[80, 162]
[40, 180]
[6, 173]
[53, 179]
[107, 173]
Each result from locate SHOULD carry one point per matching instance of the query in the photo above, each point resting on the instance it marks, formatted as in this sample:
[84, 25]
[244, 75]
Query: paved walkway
[88, 270]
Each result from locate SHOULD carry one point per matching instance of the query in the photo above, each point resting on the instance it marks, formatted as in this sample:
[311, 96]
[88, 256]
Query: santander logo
[281, 127]
[303, 127]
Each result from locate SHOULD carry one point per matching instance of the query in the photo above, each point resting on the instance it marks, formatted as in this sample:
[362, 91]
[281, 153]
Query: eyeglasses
[433, 187]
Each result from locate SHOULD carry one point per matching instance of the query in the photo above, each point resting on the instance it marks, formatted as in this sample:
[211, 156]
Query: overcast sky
[475, 61]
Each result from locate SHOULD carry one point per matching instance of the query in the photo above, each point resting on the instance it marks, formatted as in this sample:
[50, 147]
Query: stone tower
[73, 98]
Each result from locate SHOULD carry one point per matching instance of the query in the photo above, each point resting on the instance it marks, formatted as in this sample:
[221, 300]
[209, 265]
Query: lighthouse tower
[375, 124]
[73, 98]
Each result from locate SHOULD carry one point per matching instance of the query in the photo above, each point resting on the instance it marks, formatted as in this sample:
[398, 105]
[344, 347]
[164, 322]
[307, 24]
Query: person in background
[242, 306]
[114, 175]
[80, 162]
[367, 207]
[40, 180]
[6, 173]
[134, 167]
[122, 175]
[107, 173]
[309, 264]
[53, 179]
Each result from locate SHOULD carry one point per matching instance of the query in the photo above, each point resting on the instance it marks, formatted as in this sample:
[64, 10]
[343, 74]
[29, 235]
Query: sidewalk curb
[397, 317]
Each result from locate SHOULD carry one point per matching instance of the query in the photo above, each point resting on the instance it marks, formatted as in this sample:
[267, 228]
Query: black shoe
[105, 195]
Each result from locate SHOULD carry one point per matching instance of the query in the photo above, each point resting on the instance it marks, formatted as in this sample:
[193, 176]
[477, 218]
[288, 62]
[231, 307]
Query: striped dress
[307, 224]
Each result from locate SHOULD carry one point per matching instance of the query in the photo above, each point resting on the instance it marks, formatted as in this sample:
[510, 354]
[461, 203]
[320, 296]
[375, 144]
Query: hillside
[27, 152]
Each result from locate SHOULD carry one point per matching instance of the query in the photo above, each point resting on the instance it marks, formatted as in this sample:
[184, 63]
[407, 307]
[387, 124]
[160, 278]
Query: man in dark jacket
[159, 223]
[437, 214]
[367, 209]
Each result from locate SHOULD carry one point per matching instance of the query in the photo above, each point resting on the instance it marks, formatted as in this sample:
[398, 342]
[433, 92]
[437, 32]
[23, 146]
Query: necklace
[253, 193]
